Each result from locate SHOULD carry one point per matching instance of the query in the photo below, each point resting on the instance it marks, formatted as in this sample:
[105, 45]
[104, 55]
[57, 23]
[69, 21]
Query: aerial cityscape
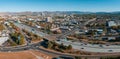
[59, 29]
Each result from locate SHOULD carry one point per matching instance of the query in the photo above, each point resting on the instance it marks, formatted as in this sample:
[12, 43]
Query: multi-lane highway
[30, 29]
[77, 45]
[92, 47]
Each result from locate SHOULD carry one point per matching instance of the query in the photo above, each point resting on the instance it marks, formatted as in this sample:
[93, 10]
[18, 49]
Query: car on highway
[56, 58]
[85, 43]
[107, 45]
[66, 57]
[110, 50]
[81, 44]
[33, 30]
[82, 48]
[58, 40]
[100, 45]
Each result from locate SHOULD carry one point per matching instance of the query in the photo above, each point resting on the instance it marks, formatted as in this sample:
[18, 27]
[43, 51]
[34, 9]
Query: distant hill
[56, 12]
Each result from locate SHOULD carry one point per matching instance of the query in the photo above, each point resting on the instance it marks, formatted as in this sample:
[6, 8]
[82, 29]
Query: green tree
[22, 41]
[78, 57]
[69, 47]
[49, 45]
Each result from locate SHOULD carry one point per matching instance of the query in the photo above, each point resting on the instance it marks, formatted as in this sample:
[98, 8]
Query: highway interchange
[76, 45]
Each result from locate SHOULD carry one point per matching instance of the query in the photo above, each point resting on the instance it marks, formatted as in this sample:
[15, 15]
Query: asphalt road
[76, 45]
[88, 47]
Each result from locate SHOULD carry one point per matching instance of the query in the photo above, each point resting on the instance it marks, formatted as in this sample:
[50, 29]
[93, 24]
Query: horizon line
[60, 11]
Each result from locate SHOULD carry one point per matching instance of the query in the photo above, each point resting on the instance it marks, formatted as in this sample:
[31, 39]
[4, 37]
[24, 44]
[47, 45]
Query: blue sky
[59, 5]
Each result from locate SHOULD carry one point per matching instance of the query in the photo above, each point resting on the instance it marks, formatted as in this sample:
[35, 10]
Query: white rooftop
[3, 39]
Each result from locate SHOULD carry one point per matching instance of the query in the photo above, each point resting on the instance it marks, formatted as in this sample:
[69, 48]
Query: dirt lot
[24, 55]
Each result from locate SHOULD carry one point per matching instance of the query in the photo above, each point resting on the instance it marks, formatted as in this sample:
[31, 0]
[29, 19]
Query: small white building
[6, 23]
[30, 19]
[37, 26]
[3, 40]
[54, 29]
[111, 38]
[49, 19]
[111, 23]
[3, 36]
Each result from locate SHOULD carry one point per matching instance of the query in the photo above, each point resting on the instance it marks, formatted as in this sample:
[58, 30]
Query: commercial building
[49, 19]
[111, 23]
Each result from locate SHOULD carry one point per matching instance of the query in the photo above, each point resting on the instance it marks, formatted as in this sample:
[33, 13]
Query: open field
[30, 54]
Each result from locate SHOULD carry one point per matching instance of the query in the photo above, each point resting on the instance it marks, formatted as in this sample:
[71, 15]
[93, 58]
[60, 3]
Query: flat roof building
[111, 23]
